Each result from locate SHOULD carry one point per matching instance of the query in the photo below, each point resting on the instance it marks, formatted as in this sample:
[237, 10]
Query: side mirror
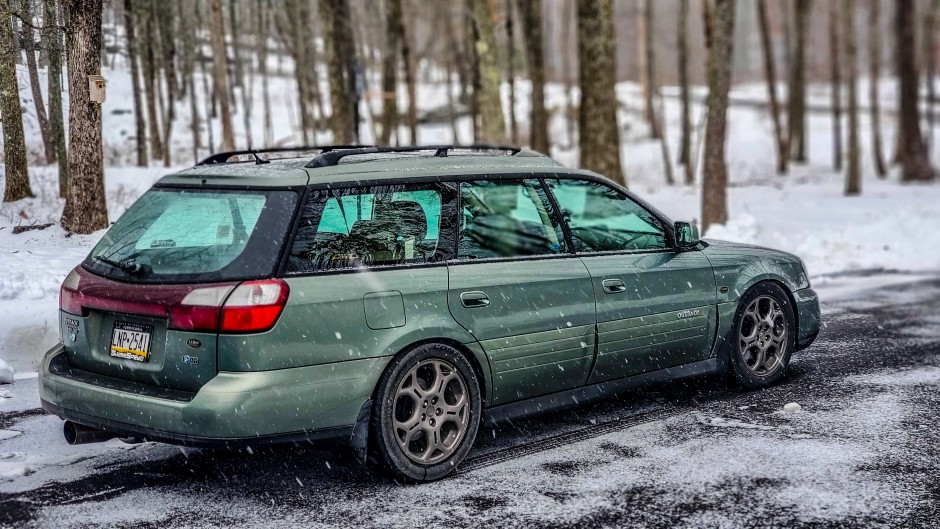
[686, 235]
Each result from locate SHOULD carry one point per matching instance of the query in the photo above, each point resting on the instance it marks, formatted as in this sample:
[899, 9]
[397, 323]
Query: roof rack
[332, 157]
[222, 157]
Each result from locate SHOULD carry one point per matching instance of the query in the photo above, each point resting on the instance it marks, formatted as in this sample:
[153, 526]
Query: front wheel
[764, 336]
[427, 413]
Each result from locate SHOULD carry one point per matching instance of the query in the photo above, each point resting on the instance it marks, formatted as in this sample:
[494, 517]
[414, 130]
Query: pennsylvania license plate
[131, 341]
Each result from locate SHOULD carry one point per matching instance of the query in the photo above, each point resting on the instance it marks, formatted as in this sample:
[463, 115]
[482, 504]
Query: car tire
[426, 413]
[763, 336]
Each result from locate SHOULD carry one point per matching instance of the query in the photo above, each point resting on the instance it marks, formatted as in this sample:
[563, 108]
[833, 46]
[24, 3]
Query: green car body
[541, 331]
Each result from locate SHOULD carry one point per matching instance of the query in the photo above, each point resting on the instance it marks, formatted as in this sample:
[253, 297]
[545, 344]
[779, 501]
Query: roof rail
[222, 157]
[333, 156]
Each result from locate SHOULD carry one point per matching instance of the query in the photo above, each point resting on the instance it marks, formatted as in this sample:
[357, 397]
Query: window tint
[369, 227]
[602, 219]
[196, 235]
[504, 218]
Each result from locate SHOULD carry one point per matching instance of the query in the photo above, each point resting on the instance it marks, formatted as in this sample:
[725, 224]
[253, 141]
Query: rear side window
[182, 235]
[506, 218]
[375, 226]
[602, 219]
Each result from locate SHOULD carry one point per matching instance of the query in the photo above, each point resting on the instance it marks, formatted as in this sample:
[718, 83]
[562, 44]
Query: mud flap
[359, 441]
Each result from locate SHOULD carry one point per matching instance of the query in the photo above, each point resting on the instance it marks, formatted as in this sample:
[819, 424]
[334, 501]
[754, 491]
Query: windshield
[185, 235]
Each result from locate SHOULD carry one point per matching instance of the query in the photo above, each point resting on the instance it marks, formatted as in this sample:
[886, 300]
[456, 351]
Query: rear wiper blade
[130, 268]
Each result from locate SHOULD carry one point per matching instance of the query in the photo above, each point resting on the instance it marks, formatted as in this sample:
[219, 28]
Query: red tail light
[69, 300]
[252, 306]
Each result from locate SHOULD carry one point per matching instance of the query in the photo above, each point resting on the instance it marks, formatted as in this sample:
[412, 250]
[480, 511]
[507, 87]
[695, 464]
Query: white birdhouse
[96, 85]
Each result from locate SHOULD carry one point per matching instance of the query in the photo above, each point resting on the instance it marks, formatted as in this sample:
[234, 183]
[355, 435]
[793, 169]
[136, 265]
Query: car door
[656, 306]
[517, 288]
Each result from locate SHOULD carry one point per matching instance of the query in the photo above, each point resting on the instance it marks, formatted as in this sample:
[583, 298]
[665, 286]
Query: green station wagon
[390, 299]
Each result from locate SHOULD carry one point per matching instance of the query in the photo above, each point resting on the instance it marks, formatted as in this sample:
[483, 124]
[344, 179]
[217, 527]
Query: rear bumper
[232, 410]
[808, 317]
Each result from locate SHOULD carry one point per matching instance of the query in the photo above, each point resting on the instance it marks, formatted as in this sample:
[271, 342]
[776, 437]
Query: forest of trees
[343, 52]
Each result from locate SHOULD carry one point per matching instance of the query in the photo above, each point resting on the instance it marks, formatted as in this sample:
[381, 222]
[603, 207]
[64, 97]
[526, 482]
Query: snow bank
[6, 373]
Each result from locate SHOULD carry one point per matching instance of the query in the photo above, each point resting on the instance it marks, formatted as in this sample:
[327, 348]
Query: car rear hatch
[181, 266]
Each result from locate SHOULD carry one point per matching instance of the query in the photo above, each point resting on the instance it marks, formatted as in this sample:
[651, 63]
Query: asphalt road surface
[864, 451]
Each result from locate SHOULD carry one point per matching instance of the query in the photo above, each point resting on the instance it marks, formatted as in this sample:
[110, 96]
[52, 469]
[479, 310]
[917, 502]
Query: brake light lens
[68, 294]
[254, 306]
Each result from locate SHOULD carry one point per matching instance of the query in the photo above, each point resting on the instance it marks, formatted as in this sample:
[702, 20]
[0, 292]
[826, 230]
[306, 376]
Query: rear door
[517, 288]
[655, 305]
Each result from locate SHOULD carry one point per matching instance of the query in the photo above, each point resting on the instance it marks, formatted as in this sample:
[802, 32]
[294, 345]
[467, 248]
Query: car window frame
[447, 226]
[667, 224]
[553, 213]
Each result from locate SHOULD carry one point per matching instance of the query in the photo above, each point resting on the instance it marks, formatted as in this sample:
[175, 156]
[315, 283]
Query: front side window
[602, 219]
[506, 218]
[365, 227]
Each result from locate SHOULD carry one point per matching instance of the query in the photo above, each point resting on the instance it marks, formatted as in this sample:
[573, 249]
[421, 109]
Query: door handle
[474, 299]
[613, 286]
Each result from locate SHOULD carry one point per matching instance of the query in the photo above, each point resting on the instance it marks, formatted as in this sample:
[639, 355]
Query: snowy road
[864, 451]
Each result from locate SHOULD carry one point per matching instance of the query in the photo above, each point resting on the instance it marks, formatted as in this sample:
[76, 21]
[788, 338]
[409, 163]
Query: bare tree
[29, 46]
[915, 166]
[780, 138]
[874, 77]
[491, 111]
[337, 35]
[531, 11]
[835, 78]
[14, 143]
[394, 30]
[408, 59]
[597, 123]
[796, 107]
[685, 143]
[715, 171]
[220, 74]
[853, 177]
[85, 209]
[53, 44]
[649, 32]
[141, 125]
[511, 72]
[929, 39]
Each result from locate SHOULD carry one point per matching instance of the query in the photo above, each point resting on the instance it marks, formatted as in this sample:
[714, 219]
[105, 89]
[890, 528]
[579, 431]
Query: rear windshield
[184, 235]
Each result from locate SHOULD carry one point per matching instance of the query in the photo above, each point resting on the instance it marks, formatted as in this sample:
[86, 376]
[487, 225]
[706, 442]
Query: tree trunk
[145, 45]
[14, 143]
[571, 112]
[796, 107]
[53, 45]
[409, 62]
[393, 36]
[598, 129]
[652, 87]
[338, 38]
[264, 26]
[220, 74]
[491, 111]
[874, 77]
[915, 165]
[853, 177]
[930, 63]
[531, 15]
[835, 82]
[682, 45]
[511, 73]
[715, 171]
[780, 140]
[141, 125]
[85, 210]
[29, 46]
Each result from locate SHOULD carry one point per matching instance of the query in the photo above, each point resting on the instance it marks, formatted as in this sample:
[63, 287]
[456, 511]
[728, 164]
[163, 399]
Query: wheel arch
[724, 349]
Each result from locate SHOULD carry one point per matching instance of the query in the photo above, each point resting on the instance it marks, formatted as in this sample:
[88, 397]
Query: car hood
[738, 266]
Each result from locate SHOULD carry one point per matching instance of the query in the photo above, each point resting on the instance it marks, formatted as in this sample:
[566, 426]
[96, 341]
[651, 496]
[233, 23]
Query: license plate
[131, 341]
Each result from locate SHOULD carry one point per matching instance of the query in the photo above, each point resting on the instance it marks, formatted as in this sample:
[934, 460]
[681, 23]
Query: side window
[365, 227]
[506, 218]
[602, 219]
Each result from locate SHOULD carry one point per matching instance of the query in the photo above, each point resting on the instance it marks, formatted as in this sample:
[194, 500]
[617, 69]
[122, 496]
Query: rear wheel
[764, 336]
[427, 413]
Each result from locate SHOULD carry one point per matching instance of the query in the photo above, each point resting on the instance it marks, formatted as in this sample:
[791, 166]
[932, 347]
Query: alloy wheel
[763, 335]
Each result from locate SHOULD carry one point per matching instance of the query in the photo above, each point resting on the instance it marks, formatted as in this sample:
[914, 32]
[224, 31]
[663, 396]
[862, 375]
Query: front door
[655, 305]
[517, 288]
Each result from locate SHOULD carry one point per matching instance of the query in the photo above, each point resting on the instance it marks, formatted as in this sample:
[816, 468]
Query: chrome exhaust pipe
[76, 434]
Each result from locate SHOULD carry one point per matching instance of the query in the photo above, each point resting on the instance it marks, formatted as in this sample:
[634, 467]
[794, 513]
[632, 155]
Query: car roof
[365, 167]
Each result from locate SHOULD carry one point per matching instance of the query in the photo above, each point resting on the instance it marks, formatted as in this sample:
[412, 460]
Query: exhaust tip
[76, 434]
